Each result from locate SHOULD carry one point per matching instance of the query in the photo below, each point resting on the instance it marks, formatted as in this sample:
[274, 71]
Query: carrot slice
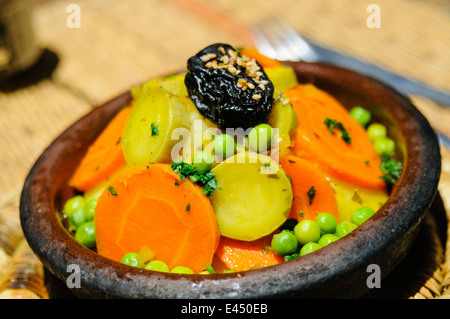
[304, 175]
[104, 156]
[244, 255]
[355, 162]
[150, 206]
[262, 59]
[218, 265]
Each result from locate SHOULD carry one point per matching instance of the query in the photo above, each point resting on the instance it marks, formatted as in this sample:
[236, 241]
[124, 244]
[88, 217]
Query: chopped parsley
[332, 124]
[154, 129]
[290, 257]
[112, 191]
[177, 183]
[266, 249]
[210, 269]
[391, 169]
[311, 193]
[205, 179]
[356, 197]
[188, 207]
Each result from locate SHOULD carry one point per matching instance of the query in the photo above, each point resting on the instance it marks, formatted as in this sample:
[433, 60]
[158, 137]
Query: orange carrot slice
[307, 178]
[244, 255]
[262, 59]
[104, 156]
[355, 162]
[218, 265]
[150, 206]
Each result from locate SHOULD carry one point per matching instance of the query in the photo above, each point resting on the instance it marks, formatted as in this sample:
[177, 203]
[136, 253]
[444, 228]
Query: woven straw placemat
[122, 43]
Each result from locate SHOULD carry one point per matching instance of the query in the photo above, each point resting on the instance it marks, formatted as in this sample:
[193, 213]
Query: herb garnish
[356, 197]
[332, 124]
[205, 179]
[155, 129]
[391, 169]
[112, 191]
[210, 269]
[290, 257]
[311, 193]
[188, 207]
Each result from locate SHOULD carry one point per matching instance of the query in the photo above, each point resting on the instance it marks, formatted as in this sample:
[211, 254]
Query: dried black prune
[230, 89]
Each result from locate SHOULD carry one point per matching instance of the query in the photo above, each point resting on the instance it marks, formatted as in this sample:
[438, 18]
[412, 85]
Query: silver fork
[278, 40]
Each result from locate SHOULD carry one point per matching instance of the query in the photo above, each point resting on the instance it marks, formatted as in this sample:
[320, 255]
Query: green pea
[224, 146]
[327, 239]
[344, 228]
[360, 115]
[203, 161]
[361, 215]
[260, 138]
[309, 248]
[307, 231]
[182, 270]
[327, 222]
[73, 204]
[89, 209]
[130, 259]
[85, 234]
[384, 145]
[157, 265]
[375, 131]
[284, 243]
[77, 218]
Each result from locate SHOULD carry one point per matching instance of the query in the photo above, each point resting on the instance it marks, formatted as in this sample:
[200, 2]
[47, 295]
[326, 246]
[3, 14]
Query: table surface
[123, 43]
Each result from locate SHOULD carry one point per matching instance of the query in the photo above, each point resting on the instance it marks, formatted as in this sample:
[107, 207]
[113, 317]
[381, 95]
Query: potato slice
[284, 118]
[283, 115]
[350, 197]
[148, 132]
[173, 84]
[255, 196]
[282, 77]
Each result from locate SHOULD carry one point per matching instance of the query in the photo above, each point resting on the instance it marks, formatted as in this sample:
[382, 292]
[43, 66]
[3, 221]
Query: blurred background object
[18, 48]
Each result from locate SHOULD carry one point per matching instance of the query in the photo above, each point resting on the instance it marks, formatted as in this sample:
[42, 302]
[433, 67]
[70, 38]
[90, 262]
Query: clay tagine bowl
[339, 270]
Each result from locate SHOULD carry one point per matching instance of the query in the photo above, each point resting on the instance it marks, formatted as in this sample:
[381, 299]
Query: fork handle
[401, 84]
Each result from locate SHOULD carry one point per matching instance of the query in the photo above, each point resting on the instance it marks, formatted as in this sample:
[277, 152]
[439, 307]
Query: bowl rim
[101, 276]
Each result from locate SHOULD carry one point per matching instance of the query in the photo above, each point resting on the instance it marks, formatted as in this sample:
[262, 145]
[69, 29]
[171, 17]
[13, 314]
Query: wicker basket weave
[117, 47]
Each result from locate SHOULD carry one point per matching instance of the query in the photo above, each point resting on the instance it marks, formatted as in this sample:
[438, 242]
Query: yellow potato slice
[255, 196]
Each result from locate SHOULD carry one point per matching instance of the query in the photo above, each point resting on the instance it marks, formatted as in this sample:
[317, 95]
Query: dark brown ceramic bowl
[339, 270]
